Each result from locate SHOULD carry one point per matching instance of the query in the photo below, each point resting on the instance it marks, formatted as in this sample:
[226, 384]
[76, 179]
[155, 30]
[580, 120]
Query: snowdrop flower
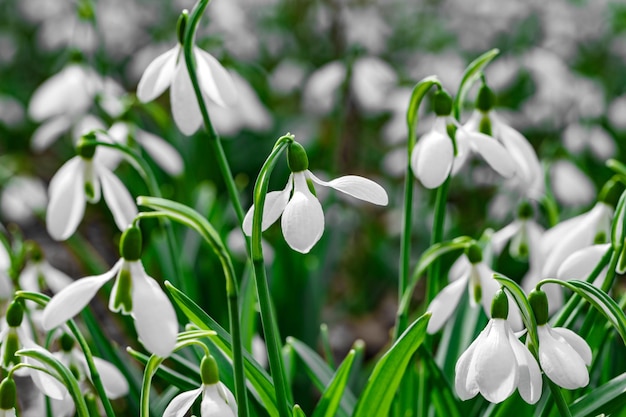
[528, 171]
[468, 271]
[563, 355]
[302, 216]
[217, 400]
[570, 185]
[161, 151]
[38, 274]
[84, 178]
[497, 363]
[170, 70]
[524, 235]
[23, 197]
[134, 293]
[433, 156]
[581, 263]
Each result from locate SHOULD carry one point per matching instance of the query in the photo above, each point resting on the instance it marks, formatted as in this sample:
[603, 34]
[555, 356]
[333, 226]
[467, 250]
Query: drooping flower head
[497, 363]
[302, 215]
[82, 179]
[217, 400]
[8, 397]
[134, 293]
[170, 70]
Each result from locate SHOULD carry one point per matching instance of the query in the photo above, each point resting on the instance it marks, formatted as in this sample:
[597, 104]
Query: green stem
[434, 272]
[268, 320]
[559, 399]
[215, 140]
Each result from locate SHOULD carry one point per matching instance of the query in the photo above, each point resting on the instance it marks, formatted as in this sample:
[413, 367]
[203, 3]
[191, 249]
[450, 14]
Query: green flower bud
[539, 303]
[485, 99]
[442, 103]
[131, 244]
[500, 305]
[474, 253]
[123, 292]
[67, 342]
[208, 371]
[15, 314]
[297, 158]
[525, 210]
[8, 394]
[181, 25]
[85, 146]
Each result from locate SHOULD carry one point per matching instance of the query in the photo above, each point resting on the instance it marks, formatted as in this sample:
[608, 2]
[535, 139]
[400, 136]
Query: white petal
[184, 103]
[71, 300]
[48, 132]
[227, 396]
[444, 304]
[463, 152]
[496, 370]
[434, 160]
[275, 203]
[213, 405]
[113, 380]
[118, 198]
[357, 187]
[303, 219]
[164, 154]
[582, 262]
[47, 384]
[502, 236]
[180, 404]
[155, 318]
[55, 279]
[530, 382]
[560, 362]
[214, 79]
[459, 268]
[465, 370]
[576, 342]
[157, 76]
[66, 206]
[496, 155]
[489, 286]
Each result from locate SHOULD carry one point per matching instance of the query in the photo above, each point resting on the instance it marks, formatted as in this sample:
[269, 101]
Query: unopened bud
[500, 306]
[297, 159]
[539, 302]
[208, 371]
[131, 244]
[442, 103]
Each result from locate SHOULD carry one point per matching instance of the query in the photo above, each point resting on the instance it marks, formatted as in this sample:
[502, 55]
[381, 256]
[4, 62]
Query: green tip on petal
[209, 372]
[8, 394]
[15, 314]
[474, 253]
[11, 345]
[442, 103]
[181, 25]
[85, 146]
[297, 159]
[122, 297]
[500, 305]
[539, 303]
[131, 244]
[485, 99]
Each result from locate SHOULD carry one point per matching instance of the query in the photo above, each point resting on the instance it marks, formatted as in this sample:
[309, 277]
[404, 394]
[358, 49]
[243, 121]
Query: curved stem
[268, 320]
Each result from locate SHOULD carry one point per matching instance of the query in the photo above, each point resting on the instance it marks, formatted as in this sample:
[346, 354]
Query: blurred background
[338, 74]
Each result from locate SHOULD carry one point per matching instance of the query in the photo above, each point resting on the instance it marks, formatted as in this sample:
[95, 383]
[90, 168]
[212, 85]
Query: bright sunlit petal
[357, 187]
[303, 219]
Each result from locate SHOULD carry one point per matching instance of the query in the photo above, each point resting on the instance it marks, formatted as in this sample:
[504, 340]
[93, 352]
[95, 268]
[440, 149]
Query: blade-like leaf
[329, 403]
[381, 387]
[608, 399]
[471, 74]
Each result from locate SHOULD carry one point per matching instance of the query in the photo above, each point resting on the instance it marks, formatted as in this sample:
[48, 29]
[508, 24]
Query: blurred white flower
[287, 77]
[617, 112]
[372, 81]
[433, 155]
[570, 185]
[577, 138]
[38, 275]
[170, 69]
[302, 216]
[366, 27]
[11, 110]
[581, 263]
[564, 356]
[84, 179]
[496, 364]
[320, 93]
[134, 293]
[22, 198]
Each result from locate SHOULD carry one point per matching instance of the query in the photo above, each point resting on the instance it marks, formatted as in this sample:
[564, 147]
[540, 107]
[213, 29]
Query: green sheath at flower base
[297, 159]
[209, 372]
[500, 306]
[85, 146]
[539, 302]
[66, 342]
[474, 253]
[181, 25]
[15, 314]
[131, 244]
[442, 103]
[8, 394]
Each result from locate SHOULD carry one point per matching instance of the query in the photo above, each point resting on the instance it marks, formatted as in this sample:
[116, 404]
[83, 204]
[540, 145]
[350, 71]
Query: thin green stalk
[268, 320]
[215, 140]
[434, 279]
[558, 399]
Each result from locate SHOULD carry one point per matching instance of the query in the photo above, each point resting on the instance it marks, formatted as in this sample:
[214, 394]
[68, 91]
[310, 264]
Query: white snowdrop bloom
[365, 26]
[38, 275]
[577, 138]
[217, 400]
[170, 70]
[320, 93]
[579, 232]
[11, 110]
[134, 293]
[570, 185]
[524, 235]
[372, 81]
[6, 284]
[22, 198]
[83, 179]
[470, 272]
[497, 363]
[161, 151]
[617, 113]
[302, 216]
[582, 262]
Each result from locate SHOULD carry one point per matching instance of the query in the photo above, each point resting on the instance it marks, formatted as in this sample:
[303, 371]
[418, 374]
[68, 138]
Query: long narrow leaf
[332, 396]
[607, 399]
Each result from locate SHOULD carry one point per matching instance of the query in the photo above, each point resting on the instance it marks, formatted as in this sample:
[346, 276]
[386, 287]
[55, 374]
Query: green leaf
[321, 374]
[259, 381]
[332, 396]
[297, 411]
[471, 74]
[443, 399]
[528, 317]
[381, 387]
[608, 399]
[618, 224]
